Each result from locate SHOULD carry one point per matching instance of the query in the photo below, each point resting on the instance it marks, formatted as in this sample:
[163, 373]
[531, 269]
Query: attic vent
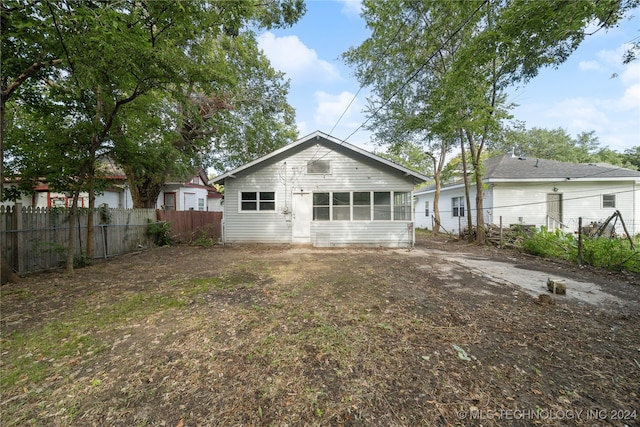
[319, 166]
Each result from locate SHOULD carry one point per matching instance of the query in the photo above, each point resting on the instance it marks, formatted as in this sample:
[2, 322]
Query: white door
[301, 217]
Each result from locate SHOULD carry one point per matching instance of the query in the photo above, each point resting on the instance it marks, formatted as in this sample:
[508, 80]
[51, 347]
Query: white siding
[286, 175]
[526, 203]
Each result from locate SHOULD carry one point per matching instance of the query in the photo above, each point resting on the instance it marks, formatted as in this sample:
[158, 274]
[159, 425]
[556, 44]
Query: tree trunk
[467, 199]
[73, 213]
[90, 224]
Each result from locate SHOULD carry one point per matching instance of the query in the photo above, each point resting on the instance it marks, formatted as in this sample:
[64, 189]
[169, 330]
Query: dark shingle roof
[508, 167]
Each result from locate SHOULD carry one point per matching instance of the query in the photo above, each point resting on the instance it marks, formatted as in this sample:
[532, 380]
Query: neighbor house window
[381, 206]
[169, 201]
[200, 204]
[608, 200]
[401, 206]
[319, 166]
[258, 201]
[426, 208]
[457, 206]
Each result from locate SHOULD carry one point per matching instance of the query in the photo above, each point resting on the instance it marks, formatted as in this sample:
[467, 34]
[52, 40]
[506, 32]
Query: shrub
[159, 232]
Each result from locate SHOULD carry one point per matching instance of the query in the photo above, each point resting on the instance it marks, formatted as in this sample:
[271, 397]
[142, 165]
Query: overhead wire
[407, 81]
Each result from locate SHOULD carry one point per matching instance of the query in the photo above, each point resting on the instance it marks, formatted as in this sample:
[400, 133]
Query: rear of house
[320, 191]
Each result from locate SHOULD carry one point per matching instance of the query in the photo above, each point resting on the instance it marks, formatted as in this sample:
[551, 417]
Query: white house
[539, 192]
[321, 191]
[176, 194]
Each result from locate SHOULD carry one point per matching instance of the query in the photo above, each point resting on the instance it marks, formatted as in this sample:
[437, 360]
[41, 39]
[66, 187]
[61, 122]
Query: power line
[424, 64]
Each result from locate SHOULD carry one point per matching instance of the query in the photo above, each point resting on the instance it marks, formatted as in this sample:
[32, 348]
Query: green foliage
[159, 232]
[609, 254]
[550, 244]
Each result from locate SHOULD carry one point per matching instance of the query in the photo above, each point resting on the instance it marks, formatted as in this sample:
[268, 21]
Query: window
[357, 206]
[258, 201]
[608, 200]
[362, 206]
[321, 206]
[381, 206]
[319, 166]
[426, 208]
[200, 204]
[341, 207]
[401, 206]
[457, 206]
[169, 201]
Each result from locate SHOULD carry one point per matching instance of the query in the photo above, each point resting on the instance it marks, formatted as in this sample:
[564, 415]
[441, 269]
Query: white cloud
[589, 65]
[290, 55]
[351, 8]
[330, 108]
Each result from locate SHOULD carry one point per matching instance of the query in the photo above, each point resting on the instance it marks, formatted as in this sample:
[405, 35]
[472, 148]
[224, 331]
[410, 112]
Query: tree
[632, 157]
[486, 47]
[112, 55]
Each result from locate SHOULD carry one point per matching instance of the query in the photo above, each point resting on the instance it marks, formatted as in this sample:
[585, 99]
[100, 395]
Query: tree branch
[8, 91]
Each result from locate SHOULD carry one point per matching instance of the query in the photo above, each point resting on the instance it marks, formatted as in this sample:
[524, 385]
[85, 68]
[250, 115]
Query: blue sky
[579, 96]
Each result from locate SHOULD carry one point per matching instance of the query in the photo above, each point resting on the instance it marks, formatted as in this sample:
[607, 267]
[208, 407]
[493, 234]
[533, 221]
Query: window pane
[457, 206]
[249, 206]
[267, 196]
[341, 213]
[361, 198]
[402, 206]
[321, 213]
[340, 199]
[608, 200]
[267, 206]
[319, 166]
[249, 196]
[362, 213]
[382, 206]
[362, 206]
[321, 199]
[321, 206]
[426, 208]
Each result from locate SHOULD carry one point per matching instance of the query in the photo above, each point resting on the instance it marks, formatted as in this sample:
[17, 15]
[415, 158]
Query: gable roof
[513, 168]
[331, 142]
[509, 168]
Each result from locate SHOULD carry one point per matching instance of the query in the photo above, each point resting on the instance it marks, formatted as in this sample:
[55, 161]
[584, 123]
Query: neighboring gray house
[539, 192]
[319, 191]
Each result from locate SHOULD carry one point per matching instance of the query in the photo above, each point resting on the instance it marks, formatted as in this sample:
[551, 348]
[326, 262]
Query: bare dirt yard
[446, 334]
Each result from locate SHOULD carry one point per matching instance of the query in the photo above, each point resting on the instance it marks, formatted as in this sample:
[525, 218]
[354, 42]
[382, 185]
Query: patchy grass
[270, 336]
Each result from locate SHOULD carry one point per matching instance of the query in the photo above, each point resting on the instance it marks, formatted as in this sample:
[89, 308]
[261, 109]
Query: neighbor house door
[301, 217]
[554, 211]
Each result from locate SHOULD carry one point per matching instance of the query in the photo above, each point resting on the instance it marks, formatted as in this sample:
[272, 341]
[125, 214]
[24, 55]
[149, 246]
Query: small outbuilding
[320, 191]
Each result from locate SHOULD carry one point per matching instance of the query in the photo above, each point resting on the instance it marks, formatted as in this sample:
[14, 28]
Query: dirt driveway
[444, 334]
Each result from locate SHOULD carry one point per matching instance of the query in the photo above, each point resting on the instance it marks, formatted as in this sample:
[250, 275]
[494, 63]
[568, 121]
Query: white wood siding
[526, 203]
[286, 175]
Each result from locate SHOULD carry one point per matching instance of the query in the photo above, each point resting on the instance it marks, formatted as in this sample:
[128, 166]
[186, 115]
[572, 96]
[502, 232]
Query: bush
[550, 244]
[159, 232]
[602, 252]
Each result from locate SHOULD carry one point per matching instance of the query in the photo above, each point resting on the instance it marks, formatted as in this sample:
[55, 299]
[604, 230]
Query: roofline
[456, 185]
[317, 135]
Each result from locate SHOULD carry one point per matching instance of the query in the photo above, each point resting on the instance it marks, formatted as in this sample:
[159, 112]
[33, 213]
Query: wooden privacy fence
[188, 226]
[35, 239]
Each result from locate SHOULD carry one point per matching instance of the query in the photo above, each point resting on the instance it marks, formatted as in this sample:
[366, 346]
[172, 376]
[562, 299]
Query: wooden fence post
[16, 225]
[579, 240]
